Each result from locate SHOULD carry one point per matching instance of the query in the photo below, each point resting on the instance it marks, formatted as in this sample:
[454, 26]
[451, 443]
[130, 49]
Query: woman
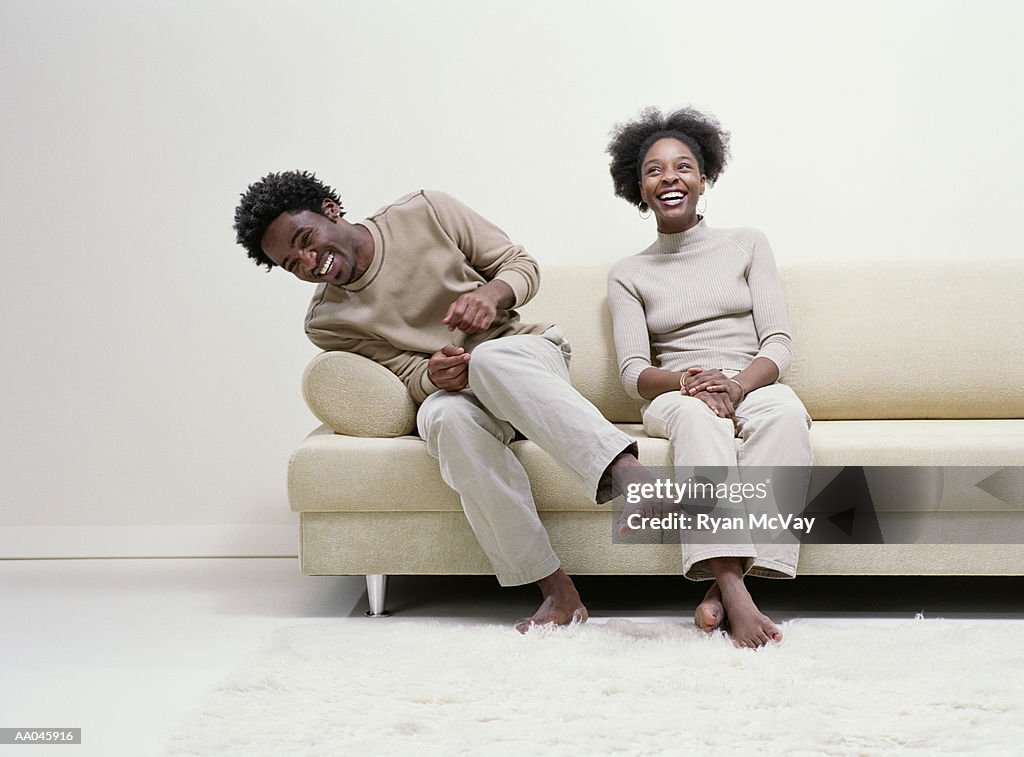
[701, 333]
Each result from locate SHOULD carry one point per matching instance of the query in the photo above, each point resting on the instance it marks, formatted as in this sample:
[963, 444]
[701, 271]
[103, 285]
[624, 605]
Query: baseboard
[222, 540]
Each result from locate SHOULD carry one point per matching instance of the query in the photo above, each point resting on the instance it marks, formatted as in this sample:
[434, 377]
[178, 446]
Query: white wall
[151, 373]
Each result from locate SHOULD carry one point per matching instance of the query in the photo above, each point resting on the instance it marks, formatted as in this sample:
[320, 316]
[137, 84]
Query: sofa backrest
[873, 339]
[575, 299]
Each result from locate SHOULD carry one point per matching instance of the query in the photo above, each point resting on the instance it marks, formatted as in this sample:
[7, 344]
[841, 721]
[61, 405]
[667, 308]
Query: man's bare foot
[748, 626]
[710, 614]
[561, 606]
[629, 474]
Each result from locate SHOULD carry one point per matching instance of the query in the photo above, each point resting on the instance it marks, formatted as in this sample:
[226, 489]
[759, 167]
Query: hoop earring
[643, 208]
[700, 210]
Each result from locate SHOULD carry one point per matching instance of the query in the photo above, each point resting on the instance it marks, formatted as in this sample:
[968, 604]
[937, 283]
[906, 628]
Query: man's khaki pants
[517, 383]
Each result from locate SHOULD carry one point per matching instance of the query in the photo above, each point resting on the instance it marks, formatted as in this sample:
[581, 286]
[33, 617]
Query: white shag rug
[391, 687]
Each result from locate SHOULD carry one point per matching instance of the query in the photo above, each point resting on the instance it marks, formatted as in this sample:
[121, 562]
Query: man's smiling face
[315, 247]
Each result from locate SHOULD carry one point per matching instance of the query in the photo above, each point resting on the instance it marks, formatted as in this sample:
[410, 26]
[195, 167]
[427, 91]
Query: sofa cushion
[946, 442]
[358, 397]
[575, 297]
[334, 473]
[851, 325]
[898, 339]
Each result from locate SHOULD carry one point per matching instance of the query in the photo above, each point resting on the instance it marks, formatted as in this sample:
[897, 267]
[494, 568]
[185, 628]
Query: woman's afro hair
[274, 194]
[631, 140]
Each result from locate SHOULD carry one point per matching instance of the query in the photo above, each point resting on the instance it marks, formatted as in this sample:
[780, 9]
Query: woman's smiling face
[671, 183]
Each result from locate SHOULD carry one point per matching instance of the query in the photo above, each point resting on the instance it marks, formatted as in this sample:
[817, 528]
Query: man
[426, 287]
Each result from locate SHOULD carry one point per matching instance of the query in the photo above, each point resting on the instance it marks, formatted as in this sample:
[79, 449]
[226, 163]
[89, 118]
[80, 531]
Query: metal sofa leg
[377, 591]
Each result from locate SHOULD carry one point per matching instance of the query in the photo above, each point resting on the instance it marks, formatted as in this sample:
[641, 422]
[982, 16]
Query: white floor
[125, 648]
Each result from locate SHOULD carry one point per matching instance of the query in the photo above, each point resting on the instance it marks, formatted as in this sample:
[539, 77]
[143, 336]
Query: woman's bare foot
[561, 606]
[748, 626]
[710, 614]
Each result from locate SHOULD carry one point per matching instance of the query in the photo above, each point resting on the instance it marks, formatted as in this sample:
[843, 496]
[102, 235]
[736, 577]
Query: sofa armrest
[357, 397]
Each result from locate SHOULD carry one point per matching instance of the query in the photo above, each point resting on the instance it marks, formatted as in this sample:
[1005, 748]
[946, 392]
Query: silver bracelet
[743, 392]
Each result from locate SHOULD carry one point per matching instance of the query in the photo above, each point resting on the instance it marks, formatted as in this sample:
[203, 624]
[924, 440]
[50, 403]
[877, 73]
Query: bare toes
[550, 615]
[708, 616]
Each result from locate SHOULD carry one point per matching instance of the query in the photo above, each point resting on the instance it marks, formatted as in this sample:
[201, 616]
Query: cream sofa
[898, 363]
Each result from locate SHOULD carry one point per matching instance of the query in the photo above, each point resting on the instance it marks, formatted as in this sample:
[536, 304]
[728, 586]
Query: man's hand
[474, 311]
[449, 368]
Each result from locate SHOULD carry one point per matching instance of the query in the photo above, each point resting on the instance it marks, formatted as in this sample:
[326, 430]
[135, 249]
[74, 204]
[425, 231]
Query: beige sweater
[429, 249]
[707, 297]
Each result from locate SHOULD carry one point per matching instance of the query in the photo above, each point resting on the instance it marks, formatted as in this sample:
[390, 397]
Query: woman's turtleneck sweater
[703, 297]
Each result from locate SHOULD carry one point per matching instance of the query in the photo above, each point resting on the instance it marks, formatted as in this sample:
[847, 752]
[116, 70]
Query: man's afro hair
[274, 194]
